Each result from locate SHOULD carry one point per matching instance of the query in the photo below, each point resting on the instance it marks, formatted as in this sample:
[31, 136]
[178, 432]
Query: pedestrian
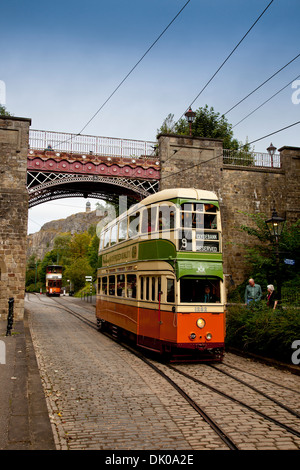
[252, 292]
[272, 299]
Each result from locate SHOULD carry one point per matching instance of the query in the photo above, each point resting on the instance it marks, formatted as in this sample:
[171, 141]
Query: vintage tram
[161, 276]
[53, 280]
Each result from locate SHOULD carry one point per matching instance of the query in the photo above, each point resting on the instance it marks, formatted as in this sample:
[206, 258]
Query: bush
[263, 331]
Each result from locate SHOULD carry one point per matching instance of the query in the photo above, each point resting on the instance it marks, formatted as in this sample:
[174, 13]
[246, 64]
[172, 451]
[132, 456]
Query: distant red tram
[53, 279]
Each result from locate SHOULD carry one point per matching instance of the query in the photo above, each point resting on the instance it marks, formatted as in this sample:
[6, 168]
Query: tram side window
[149, 220]
[147, 288]
[123, 230]
[106, 239]
[134, 222]
[142, 287]
[112, 285]
[104, 285]
[210, 217]
[99, 285]
[166, 218]
[170, 290]
[131, 286]
[153, 289]
[114, 234]
[121, 285]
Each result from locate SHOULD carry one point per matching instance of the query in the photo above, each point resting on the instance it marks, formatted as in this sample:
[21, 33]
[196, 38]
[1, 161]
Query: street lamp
[275, 226]
[271, 150]
[190, 116]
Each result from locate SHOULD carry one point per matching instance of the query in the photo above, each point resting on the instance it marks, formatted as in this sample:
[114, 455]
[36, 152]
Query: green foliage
[207, 123]
[263, 331]
[3, 111]
[78, 254]
[261, 253]
[76, 272]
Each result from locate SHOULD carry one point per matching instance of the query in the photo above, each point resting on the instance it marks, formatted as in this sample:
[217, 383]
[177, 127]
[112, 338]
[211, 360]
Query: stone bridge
[67, 165]
[38, 166]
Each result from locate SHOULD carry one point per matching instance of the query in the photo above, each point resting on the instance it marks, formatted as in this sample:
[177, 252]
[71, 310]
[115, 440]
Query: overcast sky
[61, 60]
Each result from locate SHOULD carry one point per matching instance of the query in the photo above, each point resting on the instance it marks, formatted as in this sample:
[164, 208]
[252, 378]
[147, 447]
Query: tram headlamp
[192, 335]
[208, 336]
[200, 323]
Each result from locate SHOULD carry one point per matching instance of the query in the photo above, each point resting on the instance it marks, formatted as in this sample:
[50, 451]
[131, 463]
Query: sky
[61, 60]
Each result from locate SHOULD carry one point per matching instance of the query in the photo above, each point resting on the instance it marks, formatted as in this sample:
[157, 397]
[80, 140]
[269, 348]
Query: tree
[261, 256]
[207, 123]
[168, 126]
[3, 111]
[77, 271]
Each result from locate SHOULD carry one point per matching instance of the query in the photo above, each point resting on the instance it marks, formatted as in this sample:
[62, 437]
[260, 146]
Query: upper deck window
[166, 217]
[196, 215]
[149, 219]
[199, 228]
[123, 229]
[114, 234]
[106, 238]
[134, 223]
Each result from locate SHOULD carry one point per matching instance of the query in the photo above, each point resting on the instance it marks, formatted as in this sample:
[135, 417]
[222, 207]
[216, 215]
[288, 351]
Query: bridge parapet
[88, 145]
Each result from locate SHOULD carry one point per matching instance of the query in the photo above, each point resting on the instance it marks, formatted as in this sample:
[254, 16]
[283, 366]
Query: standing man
[252, 292]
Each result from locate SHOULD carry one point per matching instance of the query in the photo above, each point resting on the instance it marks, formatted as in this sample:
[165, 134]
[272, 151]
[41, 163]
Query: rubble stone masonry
[14, 134]
[198, 162]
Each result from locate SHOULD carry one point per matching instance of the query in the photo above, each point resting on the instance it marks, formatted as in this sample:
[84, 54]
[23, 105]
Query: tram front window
[199, 290]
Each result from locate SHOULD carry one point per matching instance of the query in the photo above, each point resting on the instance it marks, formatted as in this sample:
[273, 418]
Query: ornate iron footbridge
[68, 165]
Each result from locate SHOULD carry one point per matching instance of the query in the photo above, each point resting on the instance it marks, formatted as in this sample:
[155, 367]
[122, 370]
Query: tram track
[172, 369]
[264, 379]
[255, 389]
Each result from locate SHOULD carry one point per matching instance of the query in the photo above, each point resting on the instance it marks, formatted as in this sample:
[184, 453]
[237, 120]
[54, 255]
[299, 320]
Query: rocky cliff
[40, 242]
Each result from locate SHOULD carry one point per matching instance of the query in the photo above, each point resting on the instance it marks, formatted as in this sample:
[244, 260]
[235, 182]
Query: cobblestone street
[100, 396]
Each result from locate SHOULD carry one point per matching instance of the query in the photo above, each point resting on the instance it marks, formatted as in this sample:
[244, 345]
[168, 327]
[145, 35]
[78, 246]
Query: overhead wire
[128, 74]
[223, 63]
[266, 101]
[135, 66]
[257, 88]
[233, 50]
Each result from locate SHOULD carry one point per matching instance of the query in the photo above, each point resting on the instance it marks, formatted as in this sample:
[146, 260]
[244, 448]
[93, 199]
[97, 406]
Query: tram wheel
[100, 324]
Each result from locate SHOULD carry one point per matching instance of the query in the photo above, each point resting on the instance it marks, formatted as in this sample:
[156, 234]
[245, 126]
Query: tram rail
[171, 379]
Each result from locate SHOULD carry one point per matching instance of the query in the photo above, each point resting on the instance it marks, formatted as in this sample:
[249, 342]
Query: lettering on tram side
[296, 354]
[127, 254]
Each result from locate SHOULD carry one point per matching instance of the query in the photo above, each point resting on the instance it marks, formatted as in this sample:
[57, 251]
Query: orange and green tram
[161, 277]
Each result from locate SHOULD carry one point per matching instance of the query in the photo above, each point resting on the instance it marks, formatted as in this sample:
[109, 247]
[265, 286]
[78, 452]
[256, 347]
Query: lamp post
[271, 150]
[190, 116]
[275, 226]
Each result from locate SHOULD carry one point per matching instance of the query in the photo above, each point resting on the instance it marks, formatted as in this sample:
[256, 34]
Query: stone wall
[198, 162]
[13, 212]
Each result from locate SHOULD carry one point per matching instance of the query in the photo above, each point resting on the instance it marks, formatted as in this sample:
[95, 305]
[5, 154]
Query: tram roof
[179, 193]
[167, 195]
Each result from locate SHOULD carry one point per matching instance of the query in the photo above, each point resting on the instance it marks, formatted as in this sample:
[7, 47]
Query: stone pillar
[14, 137]
[290, 161]
[190, 162]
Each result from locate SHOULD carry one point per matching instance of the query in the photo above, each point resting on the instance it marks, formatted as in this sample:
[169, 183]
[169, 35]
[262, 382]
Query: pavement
[24, 419]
